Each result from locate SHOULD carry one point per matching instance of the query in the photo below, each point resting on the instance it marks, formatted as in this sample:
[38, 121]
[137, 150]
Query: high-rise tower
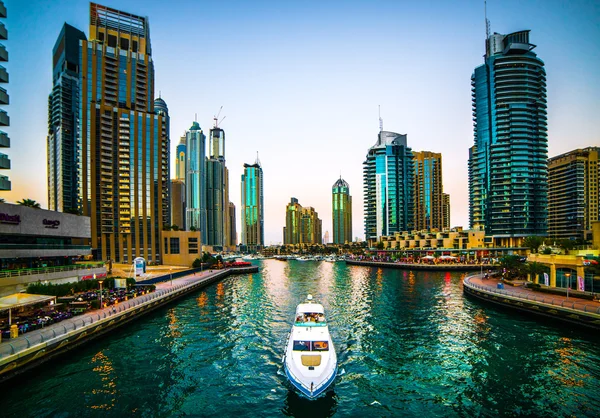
[253, 232]
[4, 119]
[180, 159]
[428, 191]
[124, 143]
[388, 186]
[195, 182]
[573, 193]
[217, 190]
[342, 212]
[64, 153]
[508, 176]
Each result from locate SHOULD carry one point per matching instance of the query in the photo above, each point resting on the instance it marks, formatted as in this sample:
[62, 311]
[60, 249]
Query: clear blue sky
[300, 83]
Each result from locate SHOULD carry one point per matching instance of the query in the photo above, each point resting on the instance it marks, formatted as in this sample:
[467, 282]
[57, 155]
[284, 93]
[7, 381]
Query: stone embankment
[420, 266]
[33, 348]
[563, 308]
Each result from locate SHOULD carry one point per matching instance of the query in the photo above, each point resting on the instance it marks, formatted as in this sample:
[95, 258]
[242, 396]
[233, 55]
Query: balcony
[3, 75]
[4, 140]
[3, 32]
[3, 53]
[4, 183]
[4, 162]
[2, 9]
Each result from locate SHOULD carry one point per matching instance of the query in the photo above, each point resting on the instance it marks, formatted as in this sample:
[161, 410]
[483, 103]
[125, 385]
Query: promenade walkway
[25, 341]
[563, 308]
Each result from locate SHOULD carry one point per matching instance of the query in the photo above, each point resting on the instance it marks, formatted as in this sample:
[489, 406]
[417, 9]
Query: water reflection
[298, 406]
[104, 396]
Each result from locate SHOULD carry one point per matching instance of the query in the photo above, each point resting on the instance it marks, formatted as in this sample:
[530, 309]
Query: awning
[22, 299]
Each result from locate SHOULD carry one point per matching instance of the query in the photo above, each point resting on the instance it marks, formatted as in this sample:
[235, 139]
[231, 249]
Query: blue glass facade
[253, 207]
[341, 212]
[195, 180]
[388, 177]
[508, 175]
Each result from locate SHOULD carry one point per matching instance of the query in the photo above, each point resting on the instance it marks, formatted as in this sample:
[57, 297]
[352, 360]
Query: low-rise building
[180, 248]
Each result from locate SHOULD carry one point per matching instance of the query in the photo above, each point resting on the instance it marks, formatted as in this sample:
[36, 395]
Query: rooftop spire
[380, 120]
[257, 160]
[487, 22]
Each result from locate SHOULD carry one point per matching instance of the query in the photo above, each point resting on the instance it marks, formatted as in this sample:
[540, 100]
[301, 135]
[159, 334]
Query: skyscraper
[217, 190]
[388, 186]
[508, 177]
[342, 212]
[428, 191]
[4, 119]
[573, 193]
[180, 159]
[302, 225]
[291, 230]
[161, 108]
[253, 233]
[124, 167]
[178, 204]
[232, 241]
[446, 211]
[64, 154]
[195, 182]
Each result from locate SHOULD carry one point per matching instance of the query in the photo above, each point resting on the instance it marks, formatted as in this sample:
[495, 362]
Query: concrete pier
[566, 309]
[416, 266]
[33, 348]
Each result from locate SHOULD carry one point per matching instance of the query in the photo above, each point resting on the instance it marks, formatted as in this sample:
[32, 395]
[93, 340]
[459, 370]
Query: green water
[407, 344]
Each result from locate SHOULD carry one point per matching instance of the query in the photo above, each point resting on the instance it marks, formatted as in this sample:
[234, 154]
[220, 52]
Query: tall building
[446, 211]
[291, 230]
[178, 204]
[232, 240]
[253, 233]
[342, 212]
[428, 191]
[195, 181]
[508, 177]
[573, 193]
[161, 108]
[124, 168]
[302, 224]
[217, 193]
[388, 186]
[64, 153]
[4, 119]
[180, 159]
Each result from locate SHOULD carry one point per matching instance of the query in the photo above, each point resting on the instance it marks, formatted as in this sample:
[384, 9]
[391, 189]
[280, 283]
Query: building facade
[253, 207]
[232, 241]
[573, 193]
[195, 192]
[388, 178]
[428, 191]
[4, 119]
[124, 168]
[508, 177]
[180, 159]
[446, 211]
[178, 204]
[64, 151]
[291, 230]
[342, 212]
[161, 108]
[302, 225]
[217, 193]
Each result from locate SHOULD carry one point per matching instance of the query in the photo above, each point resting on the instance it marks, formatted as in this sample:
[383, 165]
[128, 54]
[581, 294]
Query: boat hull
[301, 388]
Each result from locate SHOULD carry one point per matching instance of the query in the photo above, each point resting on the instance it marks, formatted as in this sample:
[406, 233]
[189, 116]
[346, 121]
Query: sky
[301, 84]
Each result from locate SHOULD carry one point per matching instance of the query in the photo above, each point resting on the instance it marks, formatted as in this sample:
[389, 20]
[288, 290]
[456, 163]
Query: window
[174, 245]
[192, 245]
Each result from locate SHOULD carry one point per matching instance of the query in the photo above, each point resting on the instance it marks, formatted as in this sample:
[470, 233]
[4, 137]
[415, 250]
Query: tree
[29, 203]
[379, 245]
[197, 263]
[533, 243]
[512, 267]
[193, 228]
[536, 268]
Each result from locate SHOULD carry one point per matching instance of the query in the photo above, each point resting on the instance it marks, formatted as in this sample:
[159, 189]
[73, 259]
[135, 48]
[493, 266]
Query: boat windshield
[311, 345]
[307, 317]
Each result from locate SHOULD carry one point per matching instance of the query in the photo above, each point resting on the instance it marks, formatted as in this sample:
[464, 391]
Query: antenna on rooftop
[487, 22]
[195, 117]
[380, 120]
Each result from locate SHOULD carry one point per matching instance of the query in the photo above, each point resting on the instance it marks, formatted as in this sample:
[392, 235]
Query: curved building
[195, 180]
[508, 175]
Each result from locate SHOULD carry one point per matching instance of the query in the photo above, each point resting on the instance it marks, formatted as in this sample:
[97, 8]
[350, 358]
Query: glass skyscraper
[253, 233]
[428, 191]
[4, 100]
[508, 175]
[64, 154]
[124, 147]
[195, 182]
[388, 178]
[342, 212]
[180, 159]
[217, 193]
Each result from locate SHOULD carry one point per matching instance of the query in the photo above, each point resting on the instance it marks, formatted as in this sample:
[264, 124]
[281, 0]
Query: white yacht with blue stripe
[310, 361]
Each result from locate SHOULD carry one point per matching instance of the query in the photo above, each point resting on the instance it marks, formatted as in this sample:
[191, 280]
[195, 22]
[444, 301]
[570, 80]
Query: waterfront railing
[44, 270]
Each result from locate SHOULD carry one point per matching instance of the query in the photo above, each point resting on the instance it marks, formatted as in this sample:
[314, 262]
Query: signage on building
[5, 218]
[52, 224]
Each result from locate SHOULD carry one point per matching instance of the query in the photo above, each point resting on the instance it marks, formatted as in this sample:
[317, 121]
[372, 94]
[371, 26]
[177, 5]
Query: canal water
[408, 345]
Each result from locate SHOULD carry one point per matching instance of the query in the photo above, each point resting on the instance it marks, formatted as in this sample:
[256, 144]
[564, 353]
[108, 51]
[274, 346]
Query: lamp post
[171, 274]
[100, 283]
[568, 275]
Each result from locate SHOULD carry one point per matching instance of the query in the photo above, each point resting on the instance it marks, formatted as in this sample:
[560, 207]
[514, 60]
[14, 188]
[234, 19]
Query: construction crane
[216, 120]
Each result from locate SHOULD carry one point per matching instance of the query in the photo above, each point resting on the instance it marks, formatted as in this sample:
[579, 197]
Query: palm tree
[29, 203]
[533, 243]
[535, 269]
[1, 200]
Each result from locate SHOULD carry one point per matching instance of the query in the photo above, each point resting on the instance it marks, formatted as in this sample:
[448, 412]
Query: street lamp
[568, 275]
[100, 283]
[171, 274]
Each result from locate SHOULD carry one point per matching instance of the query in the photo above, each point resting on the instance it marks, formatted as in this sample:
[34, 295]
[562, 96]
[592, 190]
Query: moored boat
[310, 361]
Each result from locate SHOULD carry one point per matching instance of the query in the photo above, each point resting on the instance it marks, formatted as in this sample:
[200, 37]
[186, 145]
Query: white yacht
[310, 361]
